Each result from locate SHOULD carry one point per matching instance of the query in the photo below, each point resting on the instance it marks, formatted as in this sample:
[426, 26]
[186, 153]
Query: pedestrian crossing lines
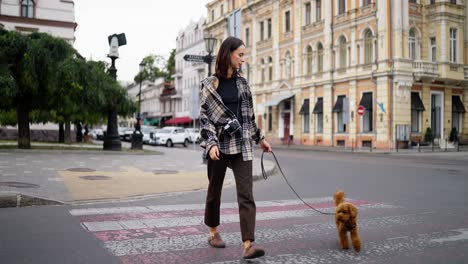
[288, 230]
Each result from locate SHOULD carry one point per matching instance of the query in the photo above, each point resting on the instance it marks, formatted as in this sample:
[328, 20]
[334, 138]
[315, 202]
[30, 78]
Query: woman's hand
[214, 153]
[265, 145]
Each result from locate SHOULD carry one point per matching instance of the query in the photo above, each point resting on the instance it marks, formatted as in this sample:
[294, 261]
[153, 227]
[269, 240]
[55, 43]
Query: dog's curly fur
[346, 221]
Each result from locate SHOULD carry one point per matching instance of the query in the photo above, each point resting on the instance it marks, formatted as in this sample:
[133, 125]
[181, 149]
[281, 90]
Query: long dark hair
[223, 59]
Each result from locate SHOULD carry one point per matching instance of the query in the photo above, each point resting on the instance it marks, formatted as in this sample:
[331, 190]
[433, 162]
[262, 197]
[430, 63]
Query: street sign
[194, 58]
[361, 110]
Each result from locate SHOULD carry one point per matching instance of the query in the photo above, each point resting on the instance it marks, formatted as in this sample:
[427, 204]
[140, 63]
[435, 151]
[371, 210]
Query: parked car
[127, 136]
[122, 132]
[169, 136]
[97, 134]
[146, 133]
[153, 134]
[194, 134]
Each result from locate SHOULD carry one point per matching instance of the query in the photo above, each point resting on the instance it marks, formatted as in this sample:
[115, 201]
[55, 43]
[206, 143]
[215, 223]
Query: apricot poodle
[346, 221]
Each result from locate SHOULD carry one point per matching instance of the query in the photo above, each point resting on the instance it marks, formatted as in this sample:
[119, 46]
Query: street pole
[137, 136]
[112, 138]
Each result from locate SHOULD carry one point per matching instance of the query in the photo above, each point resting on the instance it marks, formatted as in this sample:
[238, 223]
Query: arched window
[27, 8]
[368, 47]
[270, 69]
[343, 56]
[309, 60]
[413, 45]
[319, 57]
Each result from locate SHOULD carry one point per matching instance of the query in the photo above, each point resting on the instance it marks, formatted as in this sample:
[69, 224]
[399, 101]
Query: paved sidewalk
[91, 175]
[424, 150]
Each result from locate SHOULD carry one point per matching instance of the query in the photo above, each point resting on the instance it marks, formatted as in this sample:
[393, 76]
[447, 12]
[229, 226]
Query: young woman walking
[227, 130]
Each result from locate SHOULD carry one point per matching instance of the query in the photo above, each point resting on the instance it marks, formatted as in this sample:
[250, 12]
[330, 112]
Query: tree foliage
[43, 79]
[156, 66]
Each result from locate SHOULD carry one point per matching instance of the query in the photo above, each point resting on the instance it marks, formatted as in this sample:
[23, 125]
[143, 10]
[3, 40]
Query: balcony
[425, 69]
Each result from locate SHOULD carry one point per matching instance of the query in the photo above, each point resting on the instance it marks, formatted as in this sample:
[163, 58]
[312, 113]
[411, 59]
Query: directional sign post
[194, 58]
[198, 58]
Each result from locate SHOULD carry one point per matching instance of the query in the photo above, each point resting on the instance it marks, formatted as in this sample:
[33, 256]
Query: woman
[227, 130]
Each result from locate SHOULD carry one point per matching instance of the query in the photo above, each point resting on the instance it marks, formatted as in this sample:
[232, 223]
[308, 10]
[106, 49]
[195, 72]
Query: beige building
[312, 64]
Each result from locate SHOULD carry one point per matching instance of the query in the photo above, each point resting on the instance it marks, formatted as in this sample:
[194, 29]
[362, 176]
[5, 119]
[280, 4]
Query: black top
[229, 93]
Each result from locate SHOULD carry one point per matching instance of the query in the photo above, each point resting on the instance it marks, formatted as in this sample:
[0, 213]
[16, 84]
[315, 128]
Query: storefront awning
[278, 99]
[457, 105]
[366, 101]
[178, 120]
[318, 108]
[338, 105]
[416, 103]
[305, 107]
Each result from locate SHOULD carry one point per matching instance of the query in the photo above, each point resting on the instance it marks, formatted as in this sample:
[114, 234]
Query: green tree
[155, 67]
[30, 65]
[170, 66]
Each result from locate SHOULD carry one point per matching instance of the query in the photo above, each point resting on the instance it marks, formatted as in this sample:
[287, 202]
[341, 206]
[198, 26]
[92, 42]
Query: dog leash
[265, 176]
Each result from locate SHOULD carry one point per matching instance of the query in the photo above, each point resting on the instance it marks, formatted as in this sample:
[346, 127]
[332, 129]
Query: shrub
[453, 135]
[428, 135]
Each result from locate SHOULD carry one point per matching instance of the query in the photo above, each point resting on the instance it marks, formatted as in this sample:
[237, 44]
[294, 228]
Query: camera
[232, 127]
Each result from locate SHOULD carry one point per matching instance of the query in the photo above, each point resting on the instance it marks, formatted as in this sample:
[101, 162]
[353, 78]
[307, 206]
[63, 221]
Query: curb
[83, 152]
[8, 200]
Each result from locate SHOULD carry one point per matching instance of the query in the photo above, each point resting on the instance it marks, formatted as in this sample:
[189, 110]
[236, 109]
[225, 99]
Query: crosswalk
[288, 230]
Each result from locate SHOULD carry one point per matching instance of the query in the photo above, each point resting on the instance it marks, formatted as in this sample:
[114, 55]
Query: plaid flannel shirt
[214, 115]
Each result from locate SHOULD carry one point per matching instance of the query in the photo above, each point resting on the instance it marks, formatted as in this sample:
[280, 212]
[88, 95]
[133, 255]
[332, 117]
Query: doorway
[436, 116]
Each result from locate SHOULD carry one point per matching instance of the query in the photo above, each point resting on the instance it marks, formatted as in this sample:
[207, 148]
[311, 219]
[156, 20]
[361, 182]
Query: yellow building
[312, 63]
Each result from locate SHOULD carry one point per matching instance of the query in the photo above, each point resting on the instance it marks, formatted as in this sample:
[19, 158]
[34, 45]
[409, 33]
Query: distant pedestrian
[227, 130]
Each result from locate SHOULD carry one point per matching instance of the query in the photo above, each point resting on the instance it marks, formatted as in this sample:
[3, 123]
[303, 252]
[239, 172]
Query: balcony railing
[425, 69]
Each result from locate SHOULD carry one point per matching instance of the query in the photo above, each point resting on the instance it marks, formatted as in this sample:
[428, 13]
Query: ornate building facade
[354, 72]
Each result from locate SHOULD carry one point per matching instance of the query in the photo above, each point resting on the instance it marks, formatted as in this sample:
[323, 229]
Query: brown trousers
[243, 175]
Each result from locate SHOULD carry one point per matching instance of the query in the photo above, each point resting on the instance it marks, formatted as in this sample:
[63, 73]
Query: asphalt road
[412, 209]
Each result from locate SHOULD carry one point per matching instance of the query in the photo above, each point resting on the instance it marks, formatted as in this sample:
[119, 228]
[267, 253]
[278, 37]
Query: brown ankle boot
[253, 252]
[216, 241]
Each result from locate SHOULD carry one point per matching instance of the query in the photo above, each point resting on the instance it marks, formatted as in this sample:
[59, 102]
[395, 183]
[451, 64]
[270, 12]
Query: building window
[307, 8]
[339, 110]
[458, 110]
[270, 119]
[247, 69]
[247, 37]
[318, 111]
[341, 7]
[433, 49]
[309, 60]
[343, 55]
[318, 10]
[233, 4]
[366, 2]
[413, 1]
[305, 116]
[368, 48]
[212, 15]
[262, 30]
[319, 57]
[413, 45]
[367, 119]
[432, 2]
[453, 45]
[263, 70]
[270, 69]
[222, 9]
[287, 21]
[453, 2]
[269, 28]
[27, 8]
[415, 121]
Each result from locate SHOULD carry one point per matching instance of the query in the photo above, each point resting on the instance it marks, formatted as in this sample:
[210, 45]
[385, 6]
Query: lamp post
[137, 137]
[209, 46]
[112, 138]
